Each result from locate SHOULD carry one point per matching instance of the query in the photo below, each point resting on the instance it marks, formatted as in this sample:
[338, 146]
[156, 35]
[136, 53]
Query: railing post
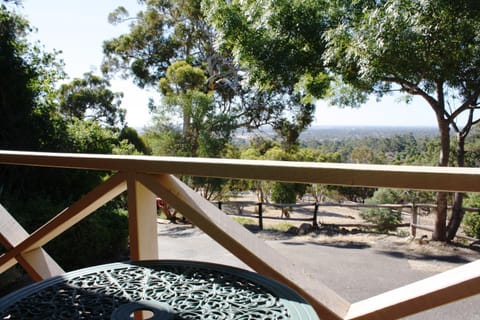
[414, 221]
[142, 220]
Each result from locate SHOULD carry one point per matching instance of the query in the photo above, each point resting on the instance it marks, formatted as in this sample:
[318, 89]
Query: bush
[384, 218]
[471, 220]
[284, 192]
[471, 224]
[100, 238]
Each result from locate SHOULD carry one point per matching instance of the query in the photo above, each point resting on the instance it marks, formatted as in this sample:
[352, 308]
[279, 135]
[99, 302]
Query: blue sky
[79, 27]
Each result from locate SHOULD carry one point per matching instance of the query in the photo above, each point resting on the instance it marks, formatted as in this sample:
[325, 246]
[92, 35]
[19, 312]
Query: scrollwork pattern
[194, 293]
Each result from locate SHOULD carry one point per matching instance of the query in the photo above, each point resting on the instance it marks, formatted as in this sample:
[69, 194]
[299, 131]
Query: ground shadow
[180, 231]
[425, 257]
[337, 244]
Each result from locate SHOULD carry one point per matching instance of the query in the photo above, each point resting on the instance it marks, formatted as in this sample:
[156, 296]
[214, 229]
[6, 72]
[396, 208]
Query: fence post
[414, 221]
[315, 213]
[260, 216]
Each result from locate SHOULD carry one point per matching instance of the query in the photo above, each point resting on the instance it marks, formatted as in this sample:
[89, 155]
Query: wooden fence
[413, 212]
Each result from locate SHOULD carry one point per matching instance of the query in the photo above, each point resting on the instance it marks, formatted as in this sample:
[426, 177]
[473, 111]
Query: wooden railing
[145, 178]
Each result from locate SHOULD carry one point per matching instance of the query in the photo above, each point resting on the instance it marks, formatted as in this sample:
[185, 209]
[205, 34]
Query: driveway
[354, 269]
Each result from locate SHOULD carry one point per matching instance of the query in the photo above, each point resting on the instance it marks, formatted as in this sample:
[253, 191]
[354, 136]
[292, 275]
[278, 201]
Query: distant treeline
[320, 133]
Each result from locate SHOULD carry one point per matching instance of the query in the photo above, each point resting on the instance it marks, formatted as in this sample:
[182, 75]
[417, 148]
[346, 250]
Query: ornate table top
[169, 289]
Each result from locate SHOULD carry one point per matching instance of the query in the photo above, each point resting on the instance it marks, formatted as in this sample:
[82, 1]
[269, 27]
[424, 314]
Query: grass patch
[282, 227]
[245, 221]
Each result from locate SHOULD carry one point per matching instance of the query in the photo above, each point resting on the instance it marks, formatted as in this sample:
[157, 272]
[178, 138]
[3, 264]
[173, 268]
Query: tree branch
[413, 89]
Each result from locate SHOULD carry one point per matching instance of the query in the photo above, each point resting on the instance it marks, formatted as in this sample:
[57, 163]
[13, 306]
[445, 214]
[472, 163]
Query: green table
[168, 289]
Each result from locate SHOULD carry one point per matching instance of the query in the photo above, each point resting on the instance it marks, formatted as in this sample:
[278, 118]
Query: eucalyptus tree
[424, 48]
[167, 32]
[169, 48]
[429, 49]
[90, 97]
[279, 44]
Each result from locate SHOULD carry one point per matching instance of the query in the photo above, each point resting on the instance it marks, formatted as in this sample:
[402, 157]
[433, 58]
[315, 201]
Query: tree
[275, 40]
[91, 98]
[402, 46]
[281, 71]
[171, 37]
[31, 120]
[386, 219]
[205, 130]
[368, 47]
[25, 91]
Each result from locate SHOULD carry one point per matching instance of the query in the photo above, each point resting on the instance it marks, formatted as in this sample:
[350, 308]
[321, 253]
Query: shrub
[471, 224]
[284, 192]
[384, 218]
[101, 237]
[471, 220]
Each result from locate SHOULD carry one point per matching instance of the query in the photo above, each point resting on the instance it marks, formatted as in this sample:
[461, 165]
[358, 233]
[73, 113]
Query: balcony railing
[145, 178]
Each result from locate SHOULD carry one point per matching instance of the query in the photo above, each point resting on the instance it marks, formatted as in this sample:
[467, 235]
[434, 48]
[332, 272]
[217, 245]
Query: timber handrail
[146, 177]
[404, 177]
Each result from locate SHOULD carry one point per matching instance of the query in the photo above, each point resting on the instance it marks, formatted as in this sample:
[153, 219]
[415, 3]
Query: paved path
[356, 271]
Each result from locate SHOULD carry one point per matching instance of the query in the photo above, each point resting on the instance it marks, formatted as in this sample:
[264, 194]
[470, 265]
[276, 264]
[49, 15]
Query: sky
[79, 27]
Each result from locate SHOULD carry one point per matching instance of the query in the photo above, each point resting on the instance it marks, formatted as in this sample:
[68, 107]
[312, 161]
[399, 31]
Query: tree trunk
[457, 216]
[457, 209]
[440, 227]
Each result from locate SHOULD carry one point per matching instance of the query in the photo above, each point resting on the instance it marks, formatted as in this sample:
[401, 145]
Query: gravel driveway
[358, 268]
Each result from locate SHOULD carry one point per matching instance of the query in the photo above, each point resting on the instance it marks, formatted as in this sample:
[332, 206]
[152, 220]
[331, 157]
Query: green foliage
[171, 47]
[162, 139]
[99, 238]
[164, 32]
[245, 221]
[472, 200]
[130, 136]
[22, 69]
[91, 98]
[471, 220]
[279, 42]
[355, 194]
[384, 218]
[90, 137]
[31, 120]
[362, 154]
[471, 224]
[284, 193]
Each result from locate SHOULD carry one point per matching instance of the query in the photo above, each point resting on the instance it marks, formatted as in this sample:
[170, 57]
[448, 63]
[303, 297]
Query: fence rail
[413, 224]
[146, 178]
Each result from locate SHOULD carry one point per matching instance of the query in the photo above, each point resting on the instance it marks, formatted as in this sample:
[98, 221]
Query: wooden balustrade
[145, 178]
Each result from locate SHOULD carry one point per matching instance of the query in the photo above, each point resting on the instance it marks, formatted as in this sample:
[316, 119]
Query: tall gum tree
[275, 42]
[426, 48]
[170, 31]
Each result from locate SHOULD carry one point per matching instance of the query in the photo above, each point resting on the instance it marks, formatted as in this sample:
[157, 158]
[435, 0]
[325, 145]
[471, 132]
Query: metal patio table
[168, 289]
